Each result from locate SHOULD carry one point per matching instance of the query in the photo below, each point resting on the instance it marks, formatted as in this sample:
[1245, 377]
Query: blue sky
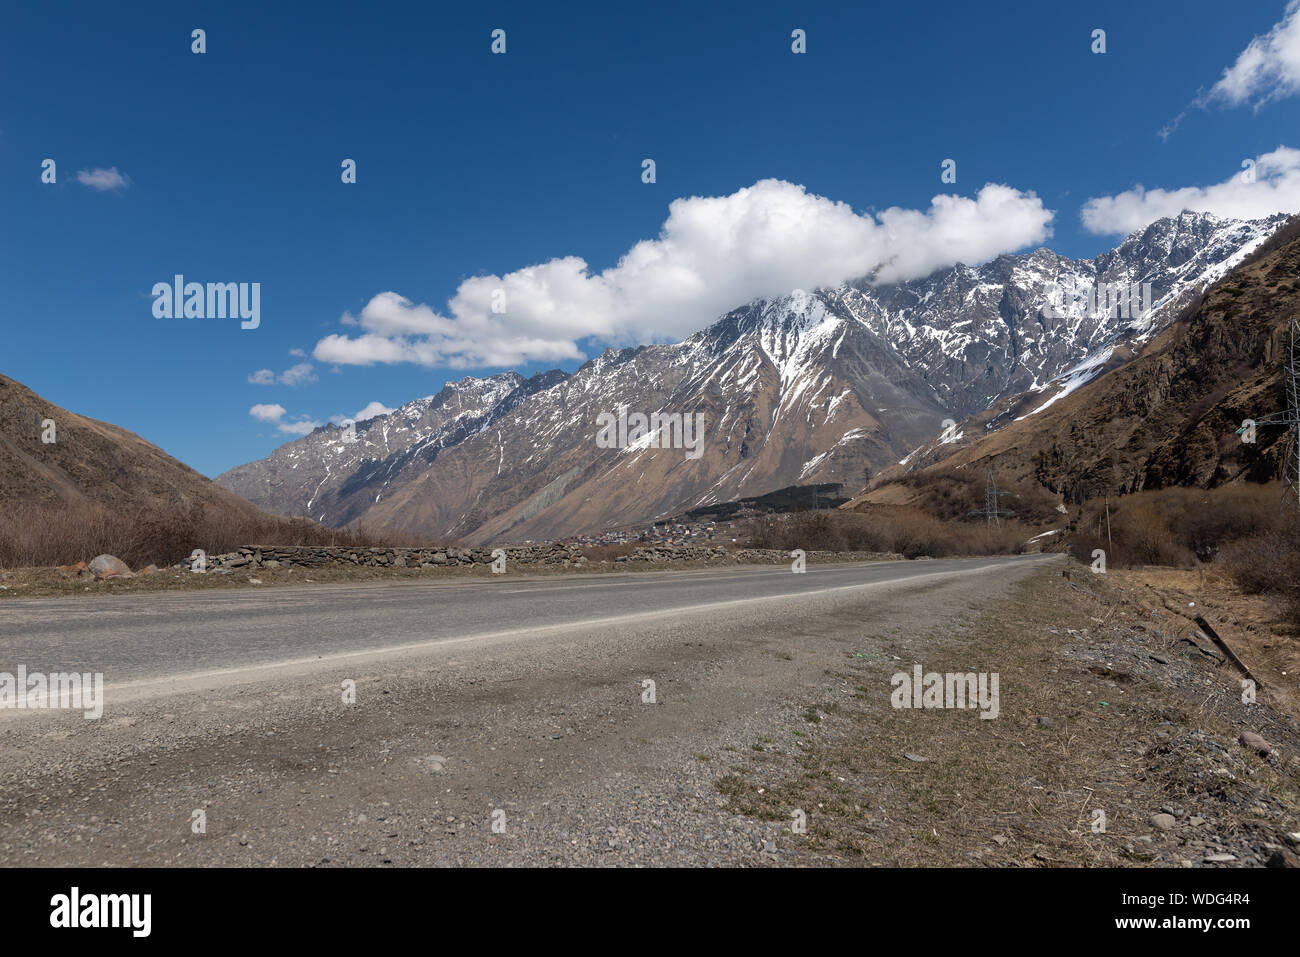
[470, 164]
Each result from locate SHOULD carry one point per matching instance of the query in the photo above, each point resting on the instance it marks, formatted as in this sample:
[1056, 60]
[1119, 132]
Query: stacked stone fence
[325, 556]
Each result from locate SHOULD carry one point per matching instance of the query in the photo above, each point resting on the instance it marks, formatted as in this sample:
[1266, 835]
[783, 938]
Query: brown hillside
[91, 461]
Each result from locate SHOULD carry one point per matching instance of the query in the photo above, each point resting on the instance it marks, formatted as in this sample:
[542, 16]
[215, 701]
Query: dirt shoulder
[1108, 704]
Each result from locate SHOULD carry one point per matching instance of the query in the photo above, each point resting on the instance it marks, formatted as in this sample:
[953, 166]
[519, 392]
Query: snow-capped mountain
[322, 473]
[817, 386]
[1170, 416]
[977, 334]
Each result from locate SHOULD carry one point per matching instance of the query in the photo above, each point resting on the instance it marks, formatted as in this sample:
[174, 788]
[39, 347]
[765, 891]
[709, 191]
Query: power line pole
[1291, 419]
[991, 501]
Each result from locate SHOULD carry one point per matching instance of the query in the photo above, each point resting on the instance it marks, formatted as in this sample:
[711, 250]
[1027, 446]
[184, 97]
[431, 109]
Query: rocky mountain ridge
[821, 386]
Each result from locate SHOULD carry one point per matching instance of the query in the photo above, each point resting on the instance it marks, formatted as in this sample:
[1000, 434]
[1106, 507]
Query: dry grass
[1006, 792]
[1255, 625]
[35, 535]
[1240, 530]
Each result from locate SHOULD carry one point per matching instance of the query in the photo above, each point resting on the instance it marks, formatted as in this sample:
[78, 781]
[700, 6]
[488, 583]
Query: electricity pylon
[1291, 419]
[991, 501]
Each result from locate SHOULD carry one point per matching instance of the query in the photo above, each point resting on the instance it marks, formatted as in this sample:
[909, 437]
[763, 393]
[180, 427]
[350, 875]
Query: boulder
[1251, 740]
[1282, 857]
[109, 566]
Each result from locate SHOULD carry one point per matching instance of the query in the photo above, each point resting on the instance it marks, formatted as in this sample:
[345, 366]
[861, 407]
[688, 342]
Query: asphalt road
[148, 637]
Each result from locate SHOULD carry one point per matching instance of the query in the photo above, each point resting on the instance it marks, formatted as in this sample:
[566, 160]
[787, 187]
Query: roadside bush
[42, 535]
[1177, 527]
[885, 528]
[1268, 563]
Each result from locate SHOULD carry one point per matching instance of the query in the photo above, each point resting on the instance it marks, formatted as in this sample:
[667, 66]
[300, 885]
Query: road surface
[516, 700]
[130, 638]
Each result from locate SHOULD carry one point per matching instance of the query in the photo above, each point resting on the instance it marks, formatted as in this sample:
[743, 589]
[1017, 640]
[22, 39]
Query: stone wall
[318, 556]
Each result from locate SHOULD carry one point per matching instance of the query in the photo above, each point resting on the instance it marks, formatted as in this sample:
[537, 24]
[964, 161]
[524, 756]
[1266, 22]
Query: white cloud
[1275, 189]
[299, 374]
[103, 179]
[712, 254]
[1268, 69]
[300, 353]
[372, 410]
[303, 426]
[267, 413]
[275, 413]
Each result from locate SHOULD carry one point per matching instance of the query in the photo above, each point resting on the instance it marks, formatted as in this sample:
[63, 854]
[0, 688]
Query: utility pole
[1110, 546]
[1291, 419]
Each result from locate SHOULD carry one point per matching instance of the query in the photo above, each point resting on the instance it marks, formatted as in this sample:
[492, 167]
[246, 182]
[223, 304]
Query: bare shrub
[1176, 527]
[40, 535]
[1268, 562]
[884, 528]
[607, 553]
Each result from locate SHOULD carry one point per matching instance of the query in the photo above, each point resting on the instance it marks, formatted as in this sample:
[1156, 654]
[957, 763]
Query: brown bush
[607, 553]
[1268, 563]
[42, 535]
[906, 531]
[951, 494]
[1174, 526]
